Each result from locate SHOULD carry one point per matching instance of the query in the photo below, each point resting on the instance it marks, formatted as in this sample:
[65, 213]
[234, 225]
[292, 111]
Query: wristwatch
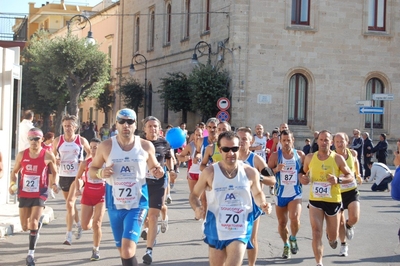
[172, 170]
[339, 180]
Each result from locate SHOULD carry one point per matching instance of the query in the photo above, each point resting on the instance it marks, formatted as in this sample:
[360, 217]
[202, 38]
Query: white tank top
[230, 201]
[260, 141]
[194, 168]
[71, 153]
[129, 174]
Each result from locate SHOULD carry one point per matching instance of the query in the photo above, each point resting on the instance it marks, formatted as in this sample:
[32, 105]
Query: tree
[175, 93]
[66, 68]
[133, 93]
[207, 84]
[104, 101]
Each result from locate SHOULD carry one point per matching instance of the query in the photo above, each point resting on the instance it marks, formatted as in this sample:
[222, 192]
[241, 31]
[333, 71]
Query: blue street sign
[371, 110]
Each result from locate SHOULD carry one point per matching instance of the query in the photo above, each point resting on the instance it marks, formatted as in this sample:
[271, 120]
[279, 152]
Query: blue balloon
[176, 137]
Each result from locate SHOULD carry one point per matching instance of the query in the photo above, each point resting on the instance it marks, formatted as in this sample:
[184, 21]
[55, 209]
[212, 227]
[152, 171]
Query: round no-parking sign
[223, 104]
[223, 116]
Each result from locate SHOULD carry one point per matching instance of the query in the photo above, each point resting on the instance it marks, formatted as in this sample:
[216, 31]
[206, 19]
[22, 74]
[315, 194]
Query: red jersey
[47, 147]
[93, 186]
[34, 179]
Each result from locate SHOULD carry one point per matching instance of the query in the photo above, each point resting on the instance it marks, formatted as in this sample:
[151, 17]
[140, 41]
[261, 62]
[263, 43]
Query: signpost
[223, 116]
[364, 103]
[223, 105]
[383, 97]
[371, 110]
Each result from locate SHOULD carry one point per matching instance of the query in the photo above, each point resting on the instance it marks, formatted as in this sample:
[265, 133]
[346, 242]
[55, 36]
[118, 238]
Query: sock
[78, 224]
[31, 252]
[129, 262]
[151, 249]
[286, 244]
[348, 226]
[96, 248]
[69, 234]
[292, 238]
[32, 239]
[343, 243]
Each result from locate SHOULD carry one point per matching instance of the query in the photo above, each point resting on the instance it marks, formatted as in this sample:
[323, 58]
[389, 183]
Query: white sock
[96, 248]
[78, 224]
[31, 252]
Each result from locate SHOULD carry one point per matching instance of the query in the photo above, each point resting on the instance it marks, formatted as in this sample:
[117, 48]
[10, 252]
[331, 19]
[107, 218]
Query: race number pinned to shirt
[31, 183]
[322, 190]
[288, 177]
[126, 193]
[68, 168]
[231, 218]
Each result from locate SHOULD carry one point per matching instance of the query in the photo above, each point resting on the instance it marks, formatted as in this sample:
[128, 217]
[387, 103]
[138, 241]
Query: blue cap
[126, 113]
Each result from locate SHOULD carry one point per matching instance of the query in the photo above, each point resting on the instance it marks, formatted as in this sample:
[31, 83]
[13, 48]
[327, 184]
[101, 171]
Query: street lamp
[197, 48]
[141, 60]
[89, 39]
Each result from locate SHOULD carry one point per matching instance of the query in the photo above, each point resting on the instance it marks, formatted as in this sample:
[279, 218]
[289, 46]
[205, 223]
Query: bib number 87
[288, 177]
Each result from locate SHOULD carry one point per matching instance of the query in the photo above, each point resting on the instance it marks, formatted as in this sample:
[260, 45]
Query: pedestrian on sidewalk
[33, 185]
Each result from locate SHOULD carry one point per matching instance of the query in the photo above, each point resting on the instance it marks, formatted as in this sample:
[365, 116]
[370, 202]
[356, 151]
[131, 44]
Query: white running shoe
[68, 239]
[169, 199]
[78, 232]
[350, 233]
[164, 225]
[344, 250]
[52, 195]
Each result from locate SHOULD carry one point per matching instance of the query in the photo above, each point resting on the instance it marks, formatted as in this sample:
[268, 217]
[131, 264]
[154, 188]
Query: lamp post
[89, 38]
[197, 48]
[141, 60]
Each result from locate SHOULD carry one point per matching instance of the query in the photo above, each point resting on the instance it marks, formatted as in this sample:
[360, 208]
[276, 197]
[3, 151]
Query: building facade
[303, 62]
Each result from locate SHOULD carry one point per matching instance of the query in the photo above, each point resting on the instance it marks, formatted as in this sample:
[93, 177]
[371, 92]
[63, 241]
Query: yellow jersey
[350, 163]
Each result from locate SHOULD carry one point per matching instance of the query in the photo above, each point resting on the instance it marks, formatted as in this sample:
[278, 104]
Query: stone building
[303, 62]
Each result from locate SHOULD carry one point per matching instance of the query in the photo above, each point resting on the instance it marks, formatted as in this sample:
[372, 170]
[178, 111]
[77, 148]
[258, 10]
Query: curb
[13, 225]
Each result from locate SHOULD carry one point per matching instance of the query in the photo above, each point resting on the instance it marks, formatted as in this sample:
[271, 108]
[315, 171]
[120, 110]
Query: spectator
[357, 145]
[307, 147]
[314, 145]
[104, 132]
[89, 133]
[380, 149]
[382, 176]
[25, 125]
[113, 131]
[367, 147]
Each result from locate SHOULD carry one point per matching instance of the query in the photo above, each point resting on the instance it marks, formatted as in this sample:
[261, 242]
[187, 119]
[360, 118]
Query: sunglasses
[34, 139]
[228, 149]
[122, 121]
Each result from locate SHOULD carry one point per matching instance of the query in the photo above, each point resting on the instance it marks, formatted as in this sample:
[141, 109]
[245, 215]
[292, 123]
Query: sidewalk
[9, 218]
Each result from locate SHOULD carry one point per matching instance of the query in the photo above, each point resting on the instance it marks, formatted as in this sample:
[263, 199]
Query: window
[151, 30]
[374, 85]
[137, 34]
[301, 12]
[377, 15]
[298, 87]
[168, 25]
[207, 22]
[187, 19]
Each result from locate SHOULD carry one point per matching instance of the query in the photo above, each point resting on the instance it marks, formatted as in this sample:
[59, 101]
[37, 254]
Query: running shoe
[344, 250]
[95, 255]
[68, 239]
[293, 246]
[148, 257]
[169, 199]
[30, 261]
[51, 192]
[144, 234]
[164, 225]
[349, 232]
[171, 185]
[333, 244]
[286, 252]
[78, 232]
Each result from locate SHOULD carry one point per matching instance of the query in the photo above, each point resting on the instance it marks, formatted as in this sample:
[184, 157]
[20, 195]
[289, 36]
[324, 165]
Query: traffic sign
[383, 97]
[223, 104]
[223, 116]
[364, 103]
[371, 110]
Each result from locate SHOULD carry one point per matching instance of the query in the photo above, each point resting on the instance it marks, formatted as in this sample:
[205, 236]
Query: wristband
[54, 184]
[99, 173]
[267, 172]
[12, 183]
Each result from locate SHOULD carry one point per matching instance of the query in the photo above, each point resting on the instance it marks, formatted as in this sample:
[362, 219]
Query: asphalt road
[375, 242]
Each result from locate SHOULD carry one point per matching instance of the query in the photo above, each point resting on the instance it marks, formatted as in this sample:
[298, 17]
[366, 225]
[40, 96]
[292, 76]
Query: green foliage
[207, 84]
[104, 102]
[133, 93]
[174, 90]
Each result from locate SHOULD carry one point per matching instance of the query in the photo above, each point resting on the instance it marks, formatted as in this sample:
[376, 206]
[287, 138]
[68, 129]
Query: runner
[350, 194]
[156, 186]
[33, 186]
[286, 164]
[68, 148]
[229, 185]
[126, 158]
[259, 144]
[323, 169]
[267, 177]
[92, 202]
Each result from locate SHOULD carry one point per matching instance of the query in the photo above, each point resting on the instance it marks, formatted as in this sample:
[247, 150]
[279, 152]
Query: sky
[22, 7]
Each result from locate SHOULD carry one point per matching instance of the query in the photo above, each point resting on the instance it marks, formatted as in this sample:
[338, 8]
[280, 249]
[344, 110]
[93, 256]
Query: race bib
[322, 190]
[231, 218]
[348, 185]
[126, 192]
[68, 168]
[288, 178]
[31, 183]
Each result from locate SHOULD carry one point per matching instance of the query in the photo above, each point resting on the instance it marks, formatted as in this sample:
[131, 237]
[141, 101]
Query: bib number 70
[235, 218]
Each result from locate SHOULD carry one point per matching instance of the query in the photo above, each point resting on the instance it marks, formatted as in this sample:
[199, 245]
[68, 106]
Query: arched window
[374, 85]
[168, 24]
[137, 34]
[151, 30]
[298, 87]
